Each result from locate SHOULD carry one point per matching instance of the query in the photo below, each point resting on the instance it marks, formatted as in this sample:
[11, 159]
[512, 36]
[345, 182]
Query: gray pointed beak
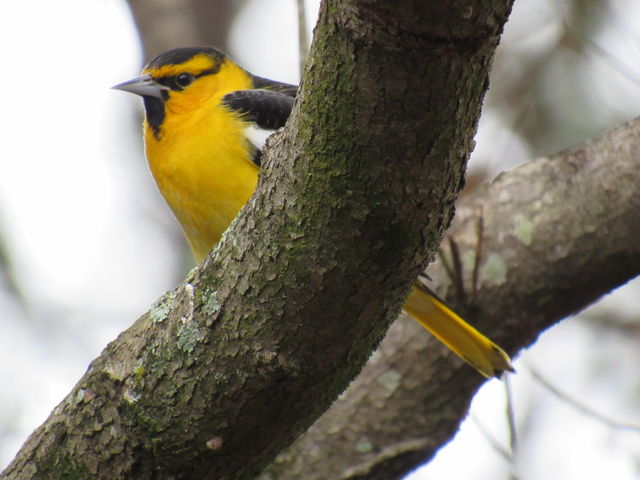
[144, 86]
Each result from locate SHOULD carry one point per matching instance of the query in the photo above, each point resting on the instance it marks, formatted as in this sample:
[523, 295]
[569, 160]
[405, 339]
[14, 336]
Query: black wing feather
[267, 109]
[266, 84]
[268, 105]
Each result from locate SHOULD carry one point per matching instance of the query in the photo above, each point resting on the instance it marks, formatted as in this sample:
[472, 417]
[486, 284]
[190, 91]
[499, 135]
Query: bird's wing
[266, 84]
[266, 110]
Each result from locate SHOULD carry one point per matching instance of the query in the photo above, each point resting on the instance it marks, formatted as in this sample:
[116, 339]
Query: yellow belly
[205, 175]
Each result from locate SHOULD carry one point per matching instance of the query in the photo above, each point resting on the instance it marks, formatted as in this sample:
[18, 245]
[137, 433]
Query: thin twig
[581, 407]
[478, 258]
[511, 417]
[445, 264]
[495, 444]
[303, 39]
[458, 280]
[493, 441]
[606, 56]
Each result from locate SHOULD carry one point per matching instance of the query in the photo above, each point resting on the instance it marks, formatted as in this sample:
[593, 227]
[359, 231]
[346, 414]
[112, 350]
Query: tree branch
[559, 233]
[229, 368]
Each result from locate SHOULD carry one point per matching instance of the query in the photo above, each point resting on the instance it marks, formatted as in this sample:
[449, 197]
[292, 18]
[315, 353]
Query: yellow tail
[463, 340]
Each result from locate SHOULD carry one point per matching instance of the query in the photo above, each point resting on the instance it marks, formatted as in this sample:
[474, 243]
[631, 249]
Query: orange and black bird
[201, 112]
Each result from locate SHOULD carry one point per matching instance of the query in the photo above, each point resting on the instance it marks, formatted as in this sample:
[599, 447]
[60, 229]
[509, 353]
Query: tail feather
[460, 337]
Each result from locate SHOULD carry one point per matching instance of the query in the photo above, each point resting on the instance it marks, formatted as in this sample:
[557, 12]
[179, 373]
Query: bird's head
[182, 80]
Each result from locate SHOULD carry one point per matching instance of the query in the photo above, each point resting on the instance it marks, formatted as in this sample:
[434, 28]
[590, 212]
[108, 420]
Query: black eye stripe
[171, 80]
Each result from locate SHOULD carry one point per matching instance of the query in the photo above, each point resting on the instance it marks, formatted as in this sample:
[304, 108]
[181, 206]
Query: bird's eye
[183, 80]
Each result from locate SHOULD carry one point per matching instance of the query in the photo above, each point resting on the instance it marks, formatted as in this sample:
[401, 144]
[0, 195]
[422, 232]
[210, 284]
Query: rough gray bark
[228, 369]
[558, 233]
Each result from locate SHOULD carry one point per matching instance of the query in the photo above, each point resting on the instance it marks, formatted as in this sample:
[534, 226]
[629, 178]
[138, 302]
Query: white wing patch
[256, 135]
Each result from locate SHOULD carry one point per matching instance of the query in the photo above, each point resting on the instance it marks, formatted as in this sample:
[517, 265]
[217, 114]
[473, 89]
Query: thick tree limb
[228, 369]
[559, 233]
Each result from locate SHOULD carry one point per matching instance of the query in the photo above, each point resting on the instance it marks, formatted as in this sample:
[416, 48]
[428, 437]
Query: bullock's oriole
[199, 105]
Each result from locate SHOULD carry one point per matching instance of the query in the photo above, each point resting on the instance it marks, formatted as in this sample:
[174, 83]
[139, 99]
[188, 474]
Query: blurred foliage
[554, 81]
[166, 24]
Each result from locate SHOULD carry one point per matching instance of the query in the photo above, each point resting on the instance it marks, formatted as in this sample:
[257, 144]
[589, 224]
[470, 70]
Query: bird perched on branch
[200, 107]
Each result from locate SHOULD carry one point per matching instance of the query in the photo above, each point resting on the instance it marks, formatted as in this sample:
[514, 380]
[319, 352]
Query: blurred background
[87, 244]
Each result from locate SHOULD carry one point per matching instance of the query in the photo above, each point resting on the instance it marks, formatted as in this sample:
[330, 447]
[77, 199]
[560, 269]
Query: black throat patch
[154, 108]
